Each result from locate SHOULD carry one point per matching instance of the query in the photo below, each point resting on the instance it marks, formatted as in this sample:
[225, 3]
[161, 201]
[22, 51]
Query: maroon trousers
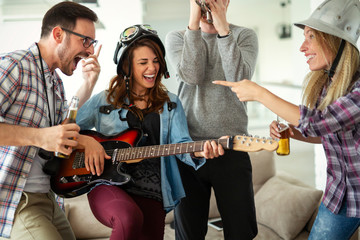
[131, 217]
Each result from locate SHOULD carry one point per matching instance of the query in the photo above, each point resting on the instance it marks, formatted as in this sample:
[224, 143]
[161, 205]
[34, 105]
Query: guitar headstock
[253, 144]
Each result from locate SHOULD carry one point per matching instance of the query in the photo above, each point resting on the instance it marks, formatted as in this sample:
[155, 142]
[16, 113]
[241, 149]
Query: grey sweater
[199, 58]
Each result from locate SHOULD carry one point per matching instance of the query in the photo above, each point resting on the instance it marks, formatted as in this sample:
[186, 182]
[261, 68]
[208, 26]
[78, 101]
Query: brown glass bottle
[284, 141]
[70, 118]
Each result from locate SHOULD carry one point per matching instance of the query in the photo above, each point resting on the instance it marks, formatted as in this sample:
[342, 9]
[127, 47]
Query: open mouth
[308, 58]
[76, 61]
[149, 78]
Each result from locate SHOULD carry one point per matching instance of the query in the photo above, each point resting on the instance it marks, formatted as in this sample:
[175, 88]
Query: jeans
[332, 226]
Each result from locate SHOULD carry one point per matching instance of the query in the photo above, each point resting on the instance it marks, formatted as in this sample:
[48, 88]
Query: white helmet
[340, 18]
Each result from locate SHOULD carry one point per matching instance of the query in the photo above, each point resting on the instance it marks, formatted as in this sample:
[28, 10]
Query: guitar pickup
[113, 158]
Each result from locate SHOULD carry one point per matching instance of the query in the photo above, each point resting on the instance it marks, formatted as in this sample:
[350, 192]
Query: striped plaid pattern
[339, 128]
[22, 102]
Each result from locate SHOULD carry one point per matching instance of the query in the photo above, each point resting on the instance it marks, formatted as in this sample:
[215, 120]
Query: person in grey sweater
[203, 52]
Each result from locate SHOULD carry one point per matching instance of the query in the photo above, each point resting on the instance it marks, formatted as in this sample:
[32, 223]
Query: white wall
[116, 17]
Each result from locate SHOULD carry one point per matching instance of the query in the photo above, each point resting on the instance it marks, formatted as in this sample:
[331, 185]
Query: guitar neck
[126, 154]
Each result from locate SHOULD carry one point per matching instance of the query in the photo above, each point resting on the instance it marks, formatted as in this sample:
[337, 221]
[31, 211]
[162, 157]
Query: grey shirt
[199, 58]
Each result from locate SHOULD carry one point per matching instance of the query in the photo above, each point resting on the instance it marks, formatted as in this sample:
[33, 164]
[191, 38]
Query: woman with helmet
[136, 98]
[330, 113]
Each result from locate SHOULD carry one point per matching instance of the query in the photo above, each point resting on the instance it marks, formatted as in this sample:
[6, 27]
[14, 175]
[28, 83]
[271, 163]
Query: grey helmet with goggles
[131, 35]
[340, 18]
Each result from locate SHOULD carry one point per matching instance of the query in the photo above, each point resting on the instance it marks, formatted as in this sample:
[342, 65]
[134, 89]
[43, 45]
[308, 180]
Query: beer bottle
[70, 118]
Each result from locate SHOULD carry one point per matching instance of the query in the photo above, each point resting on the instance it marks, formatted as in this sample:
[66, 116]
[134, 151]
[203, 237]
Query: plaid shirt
[339, 128]
[22, 102]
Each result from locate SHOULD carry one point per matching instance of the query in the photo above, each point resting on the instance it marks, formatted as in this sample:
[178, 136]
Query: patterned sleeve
[9, 82]
[341, 115]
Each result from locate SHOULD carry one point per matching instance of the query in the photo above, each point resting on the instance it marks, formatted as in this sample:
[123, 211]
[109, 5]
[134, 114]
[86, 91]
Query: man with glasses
[32, 106]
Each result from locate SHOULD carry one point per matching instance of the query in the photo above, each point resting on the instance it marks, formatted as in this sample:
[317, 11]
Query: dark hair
[117, 93]
[65, 14]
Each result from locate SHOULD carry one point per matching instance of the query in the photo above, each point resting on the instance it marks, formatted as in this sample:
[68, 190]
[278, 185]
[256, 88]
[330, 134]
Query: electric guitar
[69, 177]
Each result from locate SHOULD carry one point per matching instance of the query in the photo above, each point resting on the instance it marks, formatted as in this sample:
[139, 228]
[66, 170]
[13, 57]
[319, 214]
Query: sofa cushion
[82, 220]
[265, 232]
[285, 205]
[263, 167]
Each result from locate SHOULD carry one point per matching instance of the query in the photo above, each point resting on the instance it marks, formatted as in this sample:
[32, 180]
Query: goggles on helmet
[131, 35]
[133, 32]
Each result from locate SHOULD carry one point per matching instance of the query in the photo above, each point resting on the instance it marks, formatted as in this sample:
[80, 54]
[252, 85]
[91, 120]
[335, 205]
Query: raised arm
[187, 55]
[247, 90]
[91, 70]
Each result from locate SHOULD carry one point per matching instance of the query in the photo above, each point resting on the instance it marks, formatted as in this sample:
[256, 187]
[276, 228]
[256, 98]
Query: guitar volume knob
[63, 180]
[76, 178]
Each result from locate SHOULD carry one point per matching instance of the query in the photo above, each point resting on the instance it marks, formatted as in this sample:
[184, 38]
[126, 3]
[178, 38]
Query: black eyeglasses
[87, 42]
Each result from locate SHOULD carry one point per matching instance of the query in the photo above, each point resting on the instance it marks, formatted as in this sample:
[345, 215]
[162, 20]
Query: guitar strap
[171, 105]
[107, 109]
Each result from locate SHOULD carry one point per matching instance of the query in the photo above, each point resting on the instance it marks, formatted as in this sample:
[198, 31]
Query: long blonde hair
[341, 82]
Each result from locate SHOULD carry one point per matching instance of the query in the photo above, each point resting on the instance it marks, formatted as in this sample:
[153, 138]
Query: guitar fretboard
[125, 154]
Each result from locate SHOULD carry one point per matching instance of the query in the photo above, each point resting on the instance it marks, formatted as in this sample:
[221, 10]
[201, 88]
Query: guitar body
[71, 178]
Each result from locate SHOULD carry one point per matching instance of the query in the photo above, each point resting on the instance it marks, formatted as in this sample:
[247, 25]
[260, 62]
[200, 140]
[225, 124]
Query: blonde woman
[330, 113]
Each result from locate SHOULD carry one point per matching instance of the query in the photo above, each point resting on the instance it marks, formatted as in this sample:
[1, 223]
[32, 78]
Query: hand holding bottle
[70, 118]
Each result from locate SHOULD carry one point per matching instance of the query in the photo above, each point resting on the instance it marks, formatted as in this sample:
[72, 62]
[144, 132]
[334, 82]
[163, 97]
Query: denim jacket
[173, 129]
